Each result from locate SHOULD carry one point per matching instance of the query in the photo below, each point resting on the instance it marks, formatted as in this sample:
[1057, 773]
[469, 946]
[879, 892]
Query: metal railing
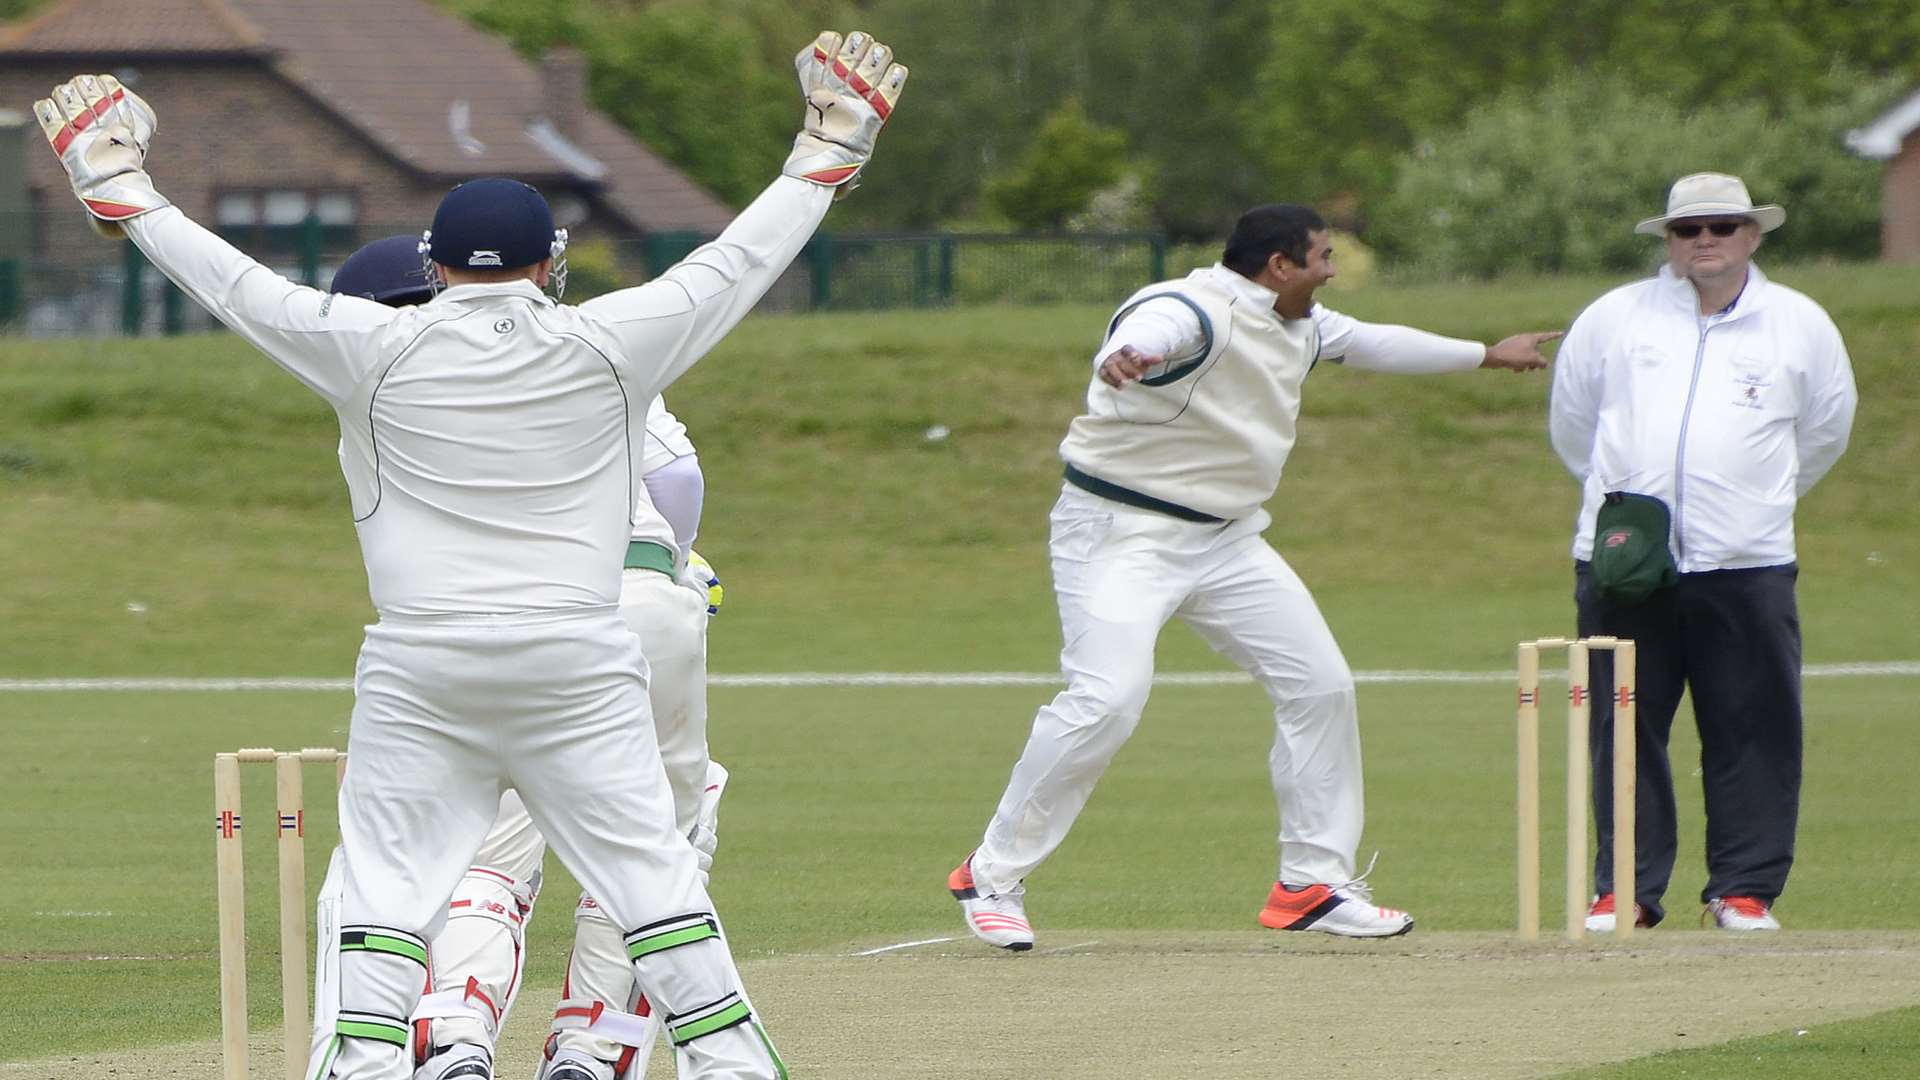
[106, 289]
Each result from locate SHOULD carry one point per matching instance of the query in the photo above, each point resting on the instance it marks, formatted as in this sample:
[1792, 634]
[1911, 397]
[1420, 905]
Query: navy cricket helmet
[494, 223]
[388, 270]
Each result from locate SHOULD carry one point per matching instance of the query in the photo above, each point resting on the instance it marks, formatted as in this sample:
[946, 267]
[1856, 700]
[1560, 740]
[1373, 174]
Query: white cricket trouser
[451, 711]
[1119, 574]
[478, 954]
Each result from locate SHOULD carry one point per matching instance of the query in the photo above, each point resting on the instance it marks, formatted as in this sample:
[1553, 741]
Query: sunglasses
[1691, 229]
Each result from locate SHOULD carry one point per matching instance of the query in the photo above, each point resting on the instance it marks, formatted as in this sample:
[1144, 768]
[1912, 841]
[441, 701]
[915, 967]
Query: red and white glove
[101, 130]
[850, 88]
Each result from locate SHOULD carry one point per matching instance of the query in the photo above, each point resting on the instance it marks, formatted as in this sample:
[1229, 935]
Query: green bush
[1555, 180]
[1070, 160]
[593, 269]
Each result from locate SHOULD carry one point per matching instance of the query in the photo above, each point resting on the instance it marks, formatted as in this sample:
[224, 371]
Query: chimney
[563, 89]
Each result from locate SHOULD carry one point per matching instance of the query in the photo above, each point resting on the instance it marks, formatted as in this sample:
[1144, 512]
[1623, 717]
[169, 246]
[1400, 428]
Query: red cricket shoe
[1346, 910]
[1601, 919]
[995, 918]
[1740, 913]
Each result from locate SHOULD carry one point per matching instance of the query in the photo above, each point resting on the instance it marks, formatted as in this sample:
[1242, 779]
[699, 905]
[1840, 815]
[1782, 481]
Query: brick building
[1894, 137]
[280, 118]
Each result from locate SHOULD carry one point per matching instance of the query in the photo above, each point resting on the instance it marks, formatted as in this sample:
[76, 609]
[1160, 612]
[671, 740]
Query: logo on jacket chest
[1752, 382]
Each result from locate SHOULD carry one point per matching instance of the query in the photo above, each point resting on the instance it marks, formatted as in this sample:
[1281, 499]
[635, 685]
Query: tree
[1352, 85]
[1175, 76]
[1553, 180]
[1069, 159]
[695, 88]
[691, 80]
[530, 26]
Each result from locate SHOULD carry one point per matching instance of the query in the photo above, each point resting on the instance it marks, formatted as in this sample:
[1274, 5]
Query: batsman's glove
[850, 89]
[699, 577]
[101, 130]
[705, 834]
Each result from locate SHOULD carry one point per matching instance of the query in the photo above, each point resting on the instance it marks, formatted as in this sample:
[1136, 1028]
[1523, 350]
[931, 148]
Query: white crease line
[1066, 948]
[1895, 668]
[905, 945]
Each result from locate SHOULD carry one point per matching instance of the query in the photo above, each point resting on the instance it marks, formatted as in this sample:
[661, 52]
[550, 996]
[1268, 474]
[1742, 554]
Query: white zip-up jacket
[492, 439]
[1727, 418]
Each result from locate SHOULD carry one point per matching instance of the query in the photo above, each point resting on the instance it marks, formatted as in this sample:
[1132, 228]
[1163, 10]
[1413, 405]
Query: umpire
[1695, 408]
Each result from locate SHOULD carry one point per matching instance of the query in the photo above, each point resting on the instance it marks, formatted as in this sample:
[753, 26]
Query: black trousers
[1733, 638]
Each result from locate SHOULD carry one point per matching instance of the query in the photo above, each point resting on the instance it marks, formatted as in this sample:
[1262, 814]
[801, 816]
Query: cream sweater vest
[1211, 432]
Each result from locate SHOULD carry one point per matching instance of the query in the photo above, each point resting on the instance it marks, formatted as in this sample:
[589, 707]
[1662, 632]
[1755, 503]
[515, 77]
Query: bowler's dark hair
[1264, 230]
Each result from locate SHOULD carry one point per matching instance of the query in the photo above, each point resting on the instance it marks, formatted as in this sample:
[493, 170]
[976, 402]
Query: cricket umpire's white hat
[1712, 194]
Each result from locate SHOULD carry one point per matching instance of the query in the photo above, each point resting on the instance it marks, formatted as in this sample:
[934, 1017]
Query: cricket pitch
[1232, 1004]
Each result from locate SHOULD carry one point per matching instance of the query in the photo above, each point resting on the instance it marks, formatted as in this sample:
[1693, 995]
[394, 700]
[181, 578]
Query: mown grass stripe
[1855, 670]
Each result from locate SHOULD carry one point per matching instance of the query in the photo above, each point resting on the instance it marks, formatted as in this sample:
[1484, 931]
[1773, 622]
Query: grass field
[173, 509]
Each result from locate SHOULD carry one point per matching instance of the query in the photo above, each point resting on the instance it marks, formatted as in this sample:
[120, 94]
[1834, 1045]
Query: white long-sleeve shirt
[673, 489]
[1209, 429]
[1727, 418]
[492, 439]
[1166, 327]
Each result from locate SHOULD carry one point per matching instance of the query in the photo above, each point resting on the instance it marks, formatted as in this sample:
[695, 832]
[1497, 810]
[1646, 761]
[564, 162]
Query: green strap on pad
[371, 1026]
[685, 1031]
[671, 934]
[381, 939]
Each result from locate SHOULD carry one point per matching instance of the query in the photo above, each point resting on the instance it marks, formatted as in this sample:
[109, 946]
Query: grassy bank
[174, 506]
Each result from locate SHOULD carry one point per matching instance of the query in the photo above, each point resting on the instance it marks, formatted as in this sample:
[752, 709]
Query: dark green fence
[844, 271]
[10, 297]
[98, 288]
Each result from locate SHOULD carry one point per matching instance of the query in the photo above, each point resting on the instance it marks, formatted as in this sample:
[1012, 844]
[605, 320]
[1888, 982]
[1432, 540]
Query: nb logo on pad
[484, 258]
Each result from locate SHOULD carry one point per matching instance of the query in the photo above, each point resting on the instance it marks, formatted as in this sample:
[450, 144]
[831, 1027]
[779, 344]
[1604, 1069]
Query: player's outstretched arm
[1521, 352]
[1405, 350]
[849, 87]
[101, 132]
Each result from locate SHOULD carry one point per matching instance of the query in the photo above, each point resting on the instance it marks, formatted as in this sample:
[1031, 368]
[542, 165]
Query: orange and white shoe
[1740, 913]
[1344, 910]
[995, 918]
[1601, 918]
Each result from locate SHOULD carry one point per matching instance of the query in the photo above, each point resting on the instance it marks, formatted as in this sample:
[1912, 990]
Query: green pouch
[1630, 557]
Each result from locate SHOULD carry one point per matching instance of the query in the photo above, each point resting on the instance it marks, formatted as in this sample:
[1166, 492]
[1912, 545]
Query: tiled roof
[439, 96]
[147, 27]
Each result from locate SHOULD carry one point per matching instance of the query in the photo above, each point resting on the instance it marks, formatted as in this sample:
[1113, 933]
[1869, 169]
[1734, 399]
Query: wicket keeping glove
[699, 577]
[850, 89]
[101, 130]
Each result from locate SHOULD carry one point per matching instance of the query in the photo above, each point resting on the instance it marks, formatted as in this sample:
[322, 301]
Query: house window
[274, 225]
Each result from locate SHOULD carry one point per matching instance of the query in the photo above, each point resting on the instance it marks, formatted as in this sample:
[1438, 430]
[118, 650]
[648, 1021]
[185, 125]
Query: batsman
[491, 442]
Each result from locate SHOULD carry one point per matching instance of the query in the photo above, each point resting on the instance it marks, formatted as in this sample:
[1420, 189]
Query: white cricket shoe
[1601, 919]
[996, 918]
[1740, 913]
[1344, 910]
